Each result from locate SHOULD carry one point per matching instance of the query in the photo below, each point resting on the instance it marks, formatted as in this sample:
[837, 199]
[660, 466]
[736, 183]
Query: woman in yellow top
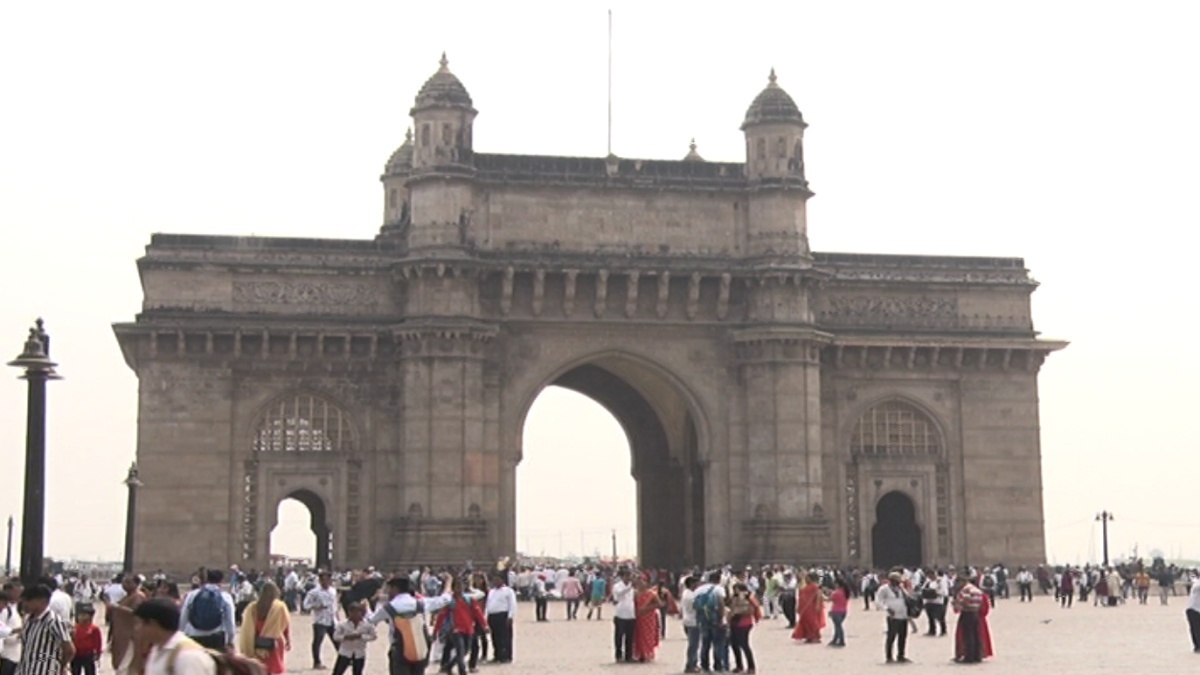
[266, 631]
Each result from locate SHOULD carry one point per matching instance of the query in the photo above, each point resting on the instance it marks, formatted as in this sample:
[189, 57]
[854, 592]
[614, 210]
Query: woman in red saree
[810, 611]
[972, 606]
[645, 631]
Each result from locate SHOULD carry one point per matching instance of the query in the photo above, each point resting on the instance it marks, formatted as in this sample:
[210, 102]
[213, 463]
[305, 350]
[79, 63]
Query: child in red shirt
[89, 644]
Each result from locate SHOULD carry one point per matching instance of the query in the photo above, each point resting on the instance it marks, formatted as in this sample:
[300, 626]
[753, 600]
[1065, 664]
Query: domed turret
[692, 155]
[773, 105]
[395, 193]
[443, 90]
[442, 116]
[774, 131]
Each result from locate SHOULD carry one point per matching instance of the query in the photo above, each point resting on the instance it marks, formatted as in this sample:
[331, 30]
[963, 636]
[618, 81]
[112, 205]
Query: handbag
[265, 644]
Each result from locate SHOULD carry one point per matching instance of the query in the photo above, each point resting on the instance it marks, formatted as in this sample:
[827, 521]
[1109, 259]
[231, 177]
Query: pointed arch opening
[662, 438]
[896, 536]
[302, 533]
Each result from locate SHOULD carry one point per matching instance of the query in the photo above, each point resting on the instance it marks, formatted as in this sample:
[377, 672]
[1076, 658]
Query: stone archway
[896, 536]
[662, 435]
[319, 523]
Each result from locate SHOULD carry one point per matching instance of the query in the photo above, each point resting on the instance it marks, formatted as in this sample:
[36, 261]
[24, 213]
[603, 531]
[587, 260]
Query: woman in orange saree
[810, 611]
[645, 631]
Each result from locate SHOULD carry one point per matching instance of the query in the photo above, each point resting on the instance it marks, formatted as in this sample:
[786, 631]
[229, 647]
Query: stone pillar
[780, 374]
[445, 473]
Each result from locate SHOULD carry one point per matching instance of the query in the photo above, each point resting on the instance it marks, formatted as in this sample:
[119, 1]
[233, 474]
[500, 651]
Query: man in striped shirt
[48, 647]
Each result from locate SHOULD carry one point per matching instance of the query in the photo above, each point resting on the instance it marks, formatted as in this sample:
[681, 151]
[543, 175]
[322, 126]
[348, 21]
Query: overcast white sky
[1063, 132]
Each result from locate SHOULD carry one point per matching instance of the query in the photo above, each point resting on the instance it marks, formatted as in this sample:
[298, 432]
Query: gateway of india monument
[781, 404]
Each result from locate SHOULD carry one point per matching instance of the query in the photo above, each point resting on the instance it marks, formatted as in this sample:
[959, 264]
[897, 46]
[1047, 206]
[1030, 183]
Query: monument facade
[781, 404]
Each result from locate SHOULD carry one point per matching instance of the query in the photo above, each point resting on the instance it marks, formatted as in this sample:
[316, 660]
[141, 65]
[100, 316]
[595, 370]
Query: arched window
[425, 135]
[762, 148]
[304, 424]
[392, 198]
[781, 148]
[447, 134]
[895, 429]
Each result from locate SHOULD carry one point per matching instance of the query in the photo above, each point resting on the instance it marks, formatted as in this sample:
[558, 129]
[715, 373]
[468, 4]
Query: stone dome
[443, 90]
[773, 105]
[401, 159]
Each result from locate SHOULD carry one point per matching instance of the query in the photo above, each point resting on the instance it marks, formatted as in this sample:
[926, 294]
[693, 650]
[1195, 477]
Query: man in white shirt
[892, 597]
[60, 602]
[1025, 584]
[322, 602]
[501, 609]
[624, 617]
[171, 652]
[402, 602]
[85, 590]
[687, 609]
[10, 649]
[1193, 615]
[351, 636]
[291, 589]
[934, 593]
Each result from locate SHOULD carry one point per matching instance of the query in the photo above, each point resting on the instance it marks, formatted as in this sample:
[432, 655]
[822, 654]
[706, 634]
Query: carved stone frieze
[319, 293]
[891, 310]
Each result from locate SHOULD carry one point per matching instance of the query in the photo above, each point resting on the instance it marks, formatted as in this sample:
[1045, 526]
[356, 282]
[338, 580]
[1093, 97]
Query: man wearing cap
[894, 599]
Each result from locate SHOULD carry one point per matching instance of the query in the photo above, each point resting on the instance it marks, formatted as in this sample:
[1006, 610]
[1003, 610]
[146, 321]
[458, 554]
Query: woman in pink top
[839, 604]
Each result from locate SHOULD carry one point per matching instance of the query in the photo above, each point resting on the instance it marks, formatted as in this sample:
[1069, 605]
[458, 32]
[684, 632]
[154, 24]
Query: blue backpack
[708, 609]
[207, 609]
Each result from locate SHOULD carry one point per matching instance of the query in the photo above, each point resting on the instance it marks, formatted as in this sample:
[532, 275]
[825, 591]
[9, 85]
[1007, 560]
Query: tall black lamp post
[39, 369]
[1104, 518]
[133, 483]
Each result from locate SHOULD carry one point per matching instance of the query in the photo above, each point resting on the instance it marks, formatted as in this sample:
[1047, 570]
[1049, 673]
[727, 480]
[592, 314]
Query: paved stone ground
[1038, 637]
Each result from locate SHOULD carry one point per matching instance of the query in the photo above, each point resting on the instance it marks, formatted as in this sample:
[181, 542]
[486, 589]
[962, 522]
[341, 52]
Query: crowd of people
[240, 622]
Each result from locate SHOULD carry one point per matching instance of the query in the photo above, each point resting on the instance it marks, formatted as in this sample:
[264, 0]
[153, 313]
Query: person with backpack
[934, 593]
[409, 650]
[709, 604]
[207, 614]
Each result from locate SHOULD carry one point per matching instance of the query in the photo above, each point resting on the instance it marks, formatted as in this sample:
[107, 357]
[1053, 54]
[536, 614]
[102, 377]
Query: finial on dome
[770, 78]
[445, 63]
[692, 155]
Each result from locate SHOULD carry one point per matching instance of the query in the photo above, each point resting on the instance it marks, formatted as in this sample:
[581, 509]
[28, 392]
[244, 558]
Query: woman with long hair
[645, 630]
[266, 632]
[744, 612]
[810, 609]
[839, 605]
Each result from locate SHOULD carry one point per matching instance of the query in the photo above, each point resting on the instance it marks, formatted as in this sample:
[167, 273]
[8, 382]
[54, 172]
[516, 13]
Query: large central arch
[661, 426]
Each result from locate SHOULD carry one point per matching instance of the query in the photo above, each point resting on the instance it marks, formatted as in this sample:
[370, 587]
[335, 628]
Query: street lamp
[35, 359]
[133, 483]
[1104, 517]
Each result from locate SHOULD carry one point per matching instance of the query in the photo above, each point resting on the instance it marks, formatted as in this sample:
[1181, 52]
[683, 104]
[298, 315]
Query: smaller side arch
[319, 523]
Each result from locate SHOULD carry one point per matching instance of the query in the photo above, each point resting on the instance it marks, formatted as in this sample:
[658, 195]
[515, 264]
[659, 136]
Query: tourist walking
[744, 613]
[646, 632]
[266, 633]
[540, 599]
[1025, 584]
[48, 648]
[322, 602]
[710, 617]
[972, 638]
[127, 648]
[810, 611]
[599, 591]
[408, 653]
[894, 600]
[479, 641]
[934, 593]
[572, 591]
[1066, 589]
[624, 617]
[89, 644]
[787, 598]
[839, 606]
[501, 609]
[351, 636]
[1193, 614]
[207, 614]
[687, 612]
[461, 617]
[10, 623]
[170, 651]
